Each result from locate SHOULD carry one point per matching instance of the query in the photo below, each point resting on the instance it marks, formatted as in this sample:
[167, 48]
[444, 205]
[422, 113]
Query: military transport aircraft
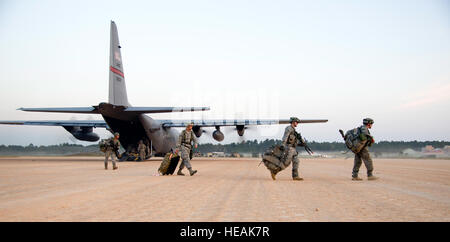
[131, 122]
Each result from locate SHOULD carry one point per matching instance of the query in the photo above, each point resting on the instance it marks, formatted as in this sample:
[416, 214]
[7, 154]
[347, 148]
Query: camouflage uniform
[113, 147]
[141, 149]
[184, 145]
[290, 143]
[364, 153]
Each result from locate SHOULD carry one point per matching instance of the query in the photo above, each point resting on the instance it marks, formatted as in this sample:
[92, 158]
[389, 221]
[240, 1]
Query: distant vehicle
[131, 122]
[216, 154]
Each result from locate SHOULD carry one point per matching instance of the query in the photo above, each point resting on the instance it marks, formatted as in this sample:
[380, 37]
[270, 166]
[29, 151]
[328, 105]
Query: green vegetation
[249, 146]
[258, 147]
[61, 149]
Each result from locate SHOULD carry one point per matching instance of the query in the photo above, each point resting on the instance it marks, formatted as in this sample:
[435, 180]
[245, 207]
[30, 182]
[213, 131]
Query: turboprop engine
[82, 133]
[218, 135]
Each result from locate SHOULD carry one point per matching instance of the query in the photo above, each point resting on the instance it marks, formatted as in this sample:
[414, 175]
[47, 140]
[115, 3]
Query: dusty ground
[79, 189]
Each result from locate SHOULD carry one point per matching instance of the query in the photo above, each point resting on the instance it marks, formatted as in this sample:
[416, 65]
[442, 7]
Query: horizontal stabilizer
[62, 110]
[164, 109]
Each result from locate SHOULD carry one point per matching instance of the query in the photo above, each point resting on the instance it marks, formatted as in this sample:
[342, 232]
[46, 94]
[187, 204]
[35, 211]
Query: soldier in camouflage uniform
[364, 155]
[111, 150]
[141, 149]
[184, 144]
[290, 141]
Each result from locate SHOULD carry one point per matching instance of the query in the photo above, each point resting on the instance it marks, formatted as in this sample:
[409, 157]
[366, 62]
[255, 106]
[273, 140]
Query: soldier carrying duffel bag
[278, 157]
[186, 141]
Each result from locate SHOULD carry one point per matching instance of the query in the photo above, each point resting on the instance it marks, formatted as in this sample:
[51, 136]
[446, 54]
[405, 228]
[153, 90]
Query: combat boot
[180, 173]
[106, 167]
[297, 178]
[115, 167]
[356, 178]
[371, 178]
[273, 174]
[192, 172]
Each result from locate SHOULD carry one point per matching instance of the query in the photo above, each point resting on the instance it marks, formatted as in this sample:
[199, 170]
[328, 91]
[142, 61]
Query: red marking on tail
[117, 71]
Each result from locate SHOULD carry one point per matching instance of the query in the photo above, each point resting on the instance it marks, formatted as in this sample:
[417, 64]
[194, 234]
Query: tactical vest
[293, 138]
[115, 145]
[184, 139]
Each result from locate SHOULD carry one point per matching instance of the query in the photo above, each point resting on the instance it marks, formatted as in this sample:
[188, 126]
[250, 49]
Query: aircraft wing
[77, 123]
[164, 109]
[233, 122]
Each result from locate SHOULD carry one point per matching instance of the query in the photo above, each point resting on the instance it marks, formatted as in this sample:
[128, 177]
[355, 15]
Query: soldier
[290, 141]
[184, 144]
[141, 149]
[364, 155]
[148, 149]
[111, 150]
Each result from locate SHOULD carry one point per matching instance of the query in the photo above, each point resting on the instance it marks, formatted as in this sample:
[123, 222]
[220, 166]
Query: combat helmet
[190, 124]
[116, 134]
[294, 119]
[367, 121]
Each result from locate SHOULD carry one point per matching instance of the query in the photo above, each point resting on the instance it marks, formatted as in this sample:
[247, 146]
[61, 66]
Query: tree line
[258, 147]
[61, 149]
[249, 146]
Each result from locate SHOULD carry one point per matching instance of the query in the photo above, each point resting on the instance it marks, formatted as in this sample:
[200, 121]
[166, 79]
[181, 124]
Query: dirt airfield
[224, 189]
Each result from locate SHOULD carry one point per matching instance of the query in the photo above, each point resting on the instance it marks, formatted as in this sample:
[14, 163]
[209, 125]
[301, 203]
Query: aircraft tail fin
[117, 87]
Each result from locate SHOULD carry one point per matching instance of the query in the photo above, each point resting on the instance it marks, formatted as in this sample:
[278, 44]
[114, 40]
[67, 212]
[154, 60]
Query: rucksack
[352, 140]
[275, 159]
[103, 144]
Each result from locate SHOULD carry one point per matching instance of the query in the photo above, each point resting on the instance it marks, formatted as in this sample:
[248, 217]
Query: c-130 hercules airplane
[131, 122]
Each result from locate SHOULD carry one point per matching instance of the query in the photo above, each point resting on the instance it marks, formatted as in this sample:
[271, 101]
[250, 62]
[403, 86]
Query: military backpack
[352, 140]
[103, 144]
[275, 158]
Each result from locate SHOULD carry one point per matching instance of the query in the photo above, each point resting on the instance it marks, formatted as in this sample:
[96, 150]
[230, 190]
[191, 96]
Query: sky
[336, 60]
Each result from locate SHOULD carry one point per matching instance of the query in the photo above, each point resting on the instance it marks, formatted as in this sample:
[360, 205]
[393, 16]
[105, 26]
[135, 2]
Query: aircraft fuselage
[133, 127]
